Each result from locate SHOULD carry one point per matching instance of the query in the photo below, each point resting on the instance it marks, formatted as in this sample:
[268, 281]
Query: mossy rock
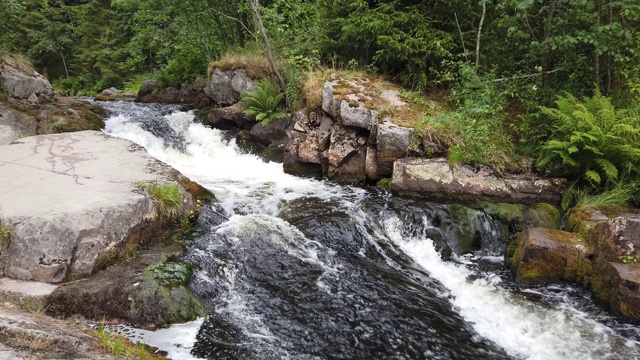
[384, 182]
[540, 256]
[467, 221]
[509, 214]
[542, 215]
[165, 286]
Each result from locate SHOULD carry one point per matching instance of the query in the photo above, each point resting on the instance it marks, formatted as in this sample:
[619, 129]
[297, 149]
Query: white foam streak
[521, 327]
[242, 183]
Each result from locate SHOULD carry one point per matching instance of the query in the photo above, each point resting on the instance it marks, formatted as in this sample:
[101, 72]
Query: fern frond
[592, 176]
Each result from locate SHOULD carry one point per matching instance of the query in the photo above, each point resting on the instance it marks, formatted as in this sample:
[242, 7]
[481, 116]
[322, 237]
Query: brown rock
[546, 255]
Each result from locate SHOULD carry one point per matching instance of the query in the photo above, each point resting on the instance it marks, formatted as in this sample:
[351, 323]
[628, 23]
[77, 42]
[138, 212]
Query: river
[300, 268]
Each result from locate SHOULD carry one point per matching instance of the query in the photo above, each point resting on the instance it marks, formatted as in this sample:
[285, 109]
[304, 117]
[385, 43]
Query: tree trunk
[64, 63]
[547, 36]
[272, 63]
[484, 12]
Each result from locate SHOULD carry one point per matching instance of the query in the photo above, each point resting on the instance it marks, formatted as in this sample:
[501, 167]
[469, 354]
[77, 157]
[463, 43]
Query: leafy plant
[263, 103]
[629, 260]
[592, 140]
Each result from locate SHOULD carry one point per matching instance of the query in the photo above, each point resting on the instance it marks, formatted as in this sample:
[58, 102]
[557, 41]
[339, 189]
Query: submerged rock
[436, 178]
[75, 201]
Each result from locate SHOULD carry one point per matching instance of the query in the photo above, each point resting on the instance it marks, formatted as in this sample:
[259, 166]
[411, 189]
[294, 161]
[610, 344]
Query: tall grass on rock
[592, 141]
[264, 102]
[167, 197]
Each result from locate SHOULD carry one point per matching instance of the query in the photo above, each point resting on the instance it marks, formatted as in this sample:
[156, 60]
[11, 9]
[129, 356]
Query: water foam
[522, 328]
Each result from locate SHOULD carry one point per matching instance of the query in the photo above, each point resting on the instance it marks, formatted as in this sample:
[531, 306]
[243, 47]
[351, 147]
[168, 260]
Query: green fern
[263, 103]
[592, 140]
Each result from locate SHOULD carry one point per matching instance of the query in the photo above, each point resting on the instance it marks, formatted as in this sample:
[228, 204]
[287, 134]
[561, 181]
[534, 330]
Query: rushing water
[295, 268]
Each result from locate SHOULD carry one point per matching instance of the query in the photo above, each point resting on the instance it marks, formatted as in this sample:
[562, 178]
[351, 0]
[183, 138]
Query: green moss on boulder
[542, 256]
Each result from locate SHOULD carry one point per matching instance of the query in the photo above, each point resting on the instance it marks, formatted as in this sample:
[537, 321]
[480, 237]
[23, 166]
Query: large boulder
[271, 133]
[437, 178]
[541, 256]
[150, 290]
[75, 200]
[228, 117]
[392, 142]
[226, 86]
[20, 80]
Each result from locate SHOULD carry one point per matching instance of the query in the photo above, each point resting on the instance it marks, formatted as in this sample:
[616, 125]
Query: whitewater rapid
[252, 193]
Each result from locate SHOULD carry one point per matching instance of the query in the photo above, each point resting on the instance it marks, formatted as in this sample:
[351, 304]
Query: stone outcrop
[189, 94]
[436, 178]
[20, 80]
[28, 105]
[226, 86]
[349, 107]
[541, 256]
[73, 202]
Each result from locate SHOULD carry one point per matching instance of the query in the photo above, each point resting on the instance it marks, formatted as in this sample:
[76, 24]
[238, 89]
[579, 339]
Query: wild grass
[611, 200]
[118, 345]
[252, 60]
[167, 196]
[34, 306]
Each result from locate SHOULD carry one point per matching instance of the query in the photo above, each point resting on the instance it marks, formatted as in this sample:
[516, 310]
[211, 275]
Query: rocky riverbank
[29, 105]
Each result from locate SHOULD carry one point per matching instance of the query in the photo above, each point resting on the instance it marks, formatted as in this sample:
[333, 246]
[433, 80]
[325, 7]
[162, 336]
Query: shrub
[592, 141]
[263, 103]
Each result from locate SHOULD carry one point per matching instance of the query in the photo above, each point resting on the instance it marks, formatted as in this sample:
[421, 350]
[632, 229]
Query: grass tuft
[167, 197]
[253, 61]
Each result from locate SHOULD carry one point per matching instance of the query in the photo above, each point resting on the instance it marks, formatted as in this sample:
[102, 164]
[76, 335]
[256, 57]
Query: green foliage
[475, 130]
[591, 140]
[629, 260]
[263, 103]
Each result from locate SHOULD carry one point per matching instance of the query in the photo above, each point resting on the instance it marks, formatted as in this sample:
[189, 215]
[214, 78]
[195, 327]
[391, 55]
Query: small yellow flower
[191, 212]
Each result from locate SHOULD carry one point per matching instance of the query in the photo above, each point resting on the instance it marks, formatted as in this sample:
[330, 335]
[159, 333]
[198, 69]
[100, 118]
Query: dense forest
[553, 80]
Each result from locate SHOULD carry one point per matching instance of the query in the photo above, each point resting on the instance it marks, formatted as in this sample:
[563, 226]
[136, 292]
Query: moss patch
[509, 214]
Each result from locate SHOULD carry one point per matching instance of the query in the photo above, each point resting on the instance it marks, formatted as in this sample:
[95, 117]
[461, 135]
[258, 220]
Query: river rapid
[299, 268]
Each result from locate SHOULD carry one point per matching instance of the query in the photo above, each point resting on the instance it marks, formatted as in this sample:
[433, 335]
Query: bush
[592, 141]
[263, 103]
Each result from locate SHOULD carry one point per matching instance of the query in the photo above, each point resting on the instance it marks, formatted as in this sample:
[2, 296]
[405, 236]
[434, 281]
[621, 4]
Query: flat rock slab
[24, 335]
[72, 199]
[437, 178]
[18, 292]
